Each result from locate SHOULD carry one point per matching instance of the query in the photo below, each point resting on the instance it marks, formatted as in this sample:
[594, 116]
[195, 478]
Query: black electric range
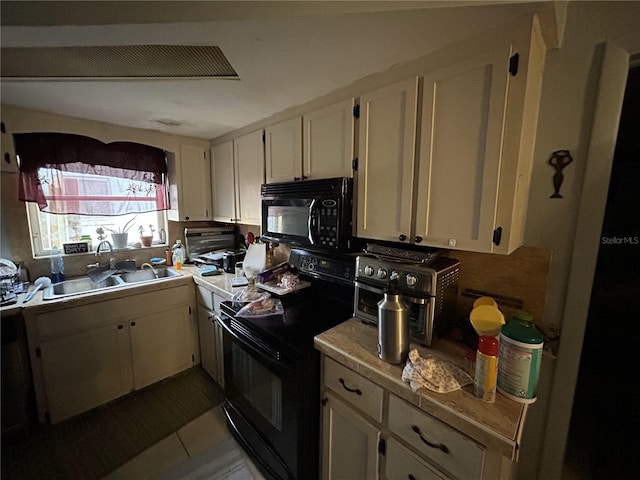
[272, 370]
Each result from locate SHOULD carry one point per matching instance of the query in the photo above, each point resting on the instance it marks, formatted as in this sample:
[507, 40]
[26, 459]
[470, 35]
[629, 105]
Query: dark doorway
[604, 434]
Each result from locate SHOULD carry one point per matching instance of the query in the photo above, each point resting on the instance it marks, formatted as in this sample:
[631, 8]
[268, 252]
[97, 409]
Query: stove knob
[411, 280]
[368, 270]
[382, 273]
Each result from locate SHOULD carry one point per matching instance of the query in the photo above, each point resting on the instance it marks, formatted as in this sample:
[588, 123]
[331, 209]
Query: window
[75, 185]
[49, 230]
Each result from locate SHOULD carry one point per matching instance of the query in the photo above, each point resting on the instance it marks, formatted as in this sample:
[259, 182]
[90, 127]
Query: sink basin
[77, 286]
[147, 274]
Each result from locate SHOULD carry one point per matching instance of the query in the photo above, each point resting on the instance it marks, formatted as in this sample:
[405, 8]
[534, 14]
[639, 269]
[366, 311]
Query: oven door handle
[266, 355]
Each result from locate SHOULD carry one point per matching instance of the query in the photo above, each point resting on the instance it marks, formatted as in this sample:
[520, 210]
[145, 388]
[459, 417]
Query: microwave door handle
[313, 221]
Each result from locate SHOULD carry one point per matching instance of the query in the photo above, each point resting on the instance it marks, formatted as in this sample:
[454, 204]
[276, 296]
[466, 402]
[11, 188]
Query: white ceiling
[286, 53]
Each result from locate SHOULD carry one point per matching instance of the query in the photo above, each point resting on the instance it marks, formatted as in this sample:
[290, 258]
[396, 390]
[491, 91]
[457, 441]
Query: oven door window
[258, 386]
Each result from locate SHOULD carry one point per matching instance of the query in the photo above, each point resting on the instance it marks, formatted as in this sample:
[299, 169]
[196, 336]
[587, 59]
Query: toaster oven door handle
[367, 287]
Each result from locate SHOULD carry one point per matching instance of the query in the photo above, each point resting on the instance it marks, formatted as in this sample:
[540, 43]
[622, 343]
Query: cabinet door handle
[440, 446]
[411, 477]
[418, 239]
[324, 401]
[133, 324]
[120, 327]
[402, 238]
[352, 390]
[186, 218]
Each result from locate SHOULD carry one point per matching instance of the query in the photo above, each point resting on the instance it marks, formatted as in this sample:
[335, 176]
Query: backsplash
[519, 280]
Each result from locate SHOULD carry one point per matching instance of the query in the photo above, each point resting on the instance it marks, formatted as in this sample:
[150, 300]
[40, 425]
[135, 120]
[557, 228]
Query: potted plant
[146, 239]
[120, 237]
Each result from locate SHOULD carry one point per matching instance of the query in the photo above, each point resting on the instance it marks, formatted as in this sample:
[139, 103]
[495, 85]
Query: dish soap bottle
[57, 266]
[178, 255]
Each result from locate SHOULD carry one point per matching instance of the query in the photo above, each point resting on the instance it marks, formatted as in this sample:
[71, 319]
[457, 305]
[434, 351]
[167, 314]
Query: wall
[566, 114]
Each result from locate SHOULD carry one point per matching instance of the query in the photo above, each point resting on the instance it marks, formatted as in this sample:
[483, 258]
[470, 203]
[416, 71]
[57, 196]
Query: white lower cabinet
[437, 443]
[403, 464]
[211, 350]
[369, 432]
[349, 443]
[87, 355]
[160, 345]
[86, 369]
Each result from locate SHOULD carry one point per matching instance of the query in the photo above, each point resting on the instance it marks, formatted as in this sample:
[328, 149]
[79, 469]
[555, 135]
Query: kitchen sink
[147, 274]
[80, 285]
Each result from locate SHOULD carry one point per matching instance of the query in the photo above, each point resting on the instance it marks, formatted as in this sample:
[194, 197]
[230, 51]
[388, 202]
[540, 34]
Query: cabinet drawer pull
[120, 327]
[402, 238]
[418, 239]
[133, 324]
[352, 390]
[441, 446]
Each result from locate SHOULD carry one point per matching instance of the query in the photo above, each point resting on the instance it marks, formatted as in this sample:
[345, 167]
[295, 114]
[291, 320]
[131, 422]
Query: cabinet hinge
[264, 137]
[193, 358]
[354, 164]
[513, 64]
[3, 129]
[497, 235]
[189, 309]
[356, 111]
[382, 447]
[38, 352]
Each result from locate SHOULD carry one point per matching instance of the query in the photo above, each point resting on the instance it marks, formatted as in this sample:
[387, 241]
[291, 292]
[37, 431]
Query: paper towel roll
[255, 260]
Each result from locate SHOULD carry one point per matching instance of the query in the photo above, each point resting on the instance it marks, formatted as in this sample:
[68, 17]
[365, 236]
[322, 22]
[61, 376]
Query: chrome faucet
[100, 246]
[112, 261]
[155, 272]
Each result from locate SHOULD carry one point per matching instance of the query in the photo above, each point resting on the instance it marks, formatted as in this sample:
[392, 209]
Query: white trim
[593, 199]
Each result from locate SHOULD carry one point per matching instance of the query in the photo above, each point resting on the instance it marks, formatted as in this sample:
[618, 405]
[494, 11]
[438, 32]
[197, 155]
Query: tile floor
[175, 452]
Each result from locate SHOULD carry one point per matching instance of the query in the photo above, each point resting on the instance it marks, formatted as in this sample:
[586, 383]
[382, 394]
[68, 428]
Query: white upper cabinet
[237, 173]
[477, 123]
[318, 145]
[328, 141]
[248, 154]
[190, 186]
[386, 161]
[460, 150]
[8, 161]
[283, 151]
[479, 118]
[223, 183]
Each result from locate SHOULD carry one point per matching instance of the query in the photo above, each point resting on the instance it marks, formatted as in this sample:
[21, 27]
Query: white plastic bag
[261, 308]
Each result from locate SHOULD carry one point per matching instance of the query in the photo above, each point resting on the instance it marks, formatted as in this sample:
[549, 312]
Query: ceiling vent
[115, 62]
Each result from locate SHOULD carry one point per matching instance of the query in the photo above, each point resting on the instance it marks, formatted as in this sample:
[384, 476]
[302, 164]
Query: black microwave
[312, 214]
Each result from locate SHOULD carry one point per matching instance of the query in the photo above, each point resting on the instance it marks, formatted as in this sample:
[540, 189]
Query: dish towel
[433, 373]
[208, 270]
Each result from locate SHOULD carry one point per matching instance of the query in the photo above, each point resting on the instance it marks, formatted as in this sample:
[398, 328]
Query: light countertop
[497, 425]
[220, 284]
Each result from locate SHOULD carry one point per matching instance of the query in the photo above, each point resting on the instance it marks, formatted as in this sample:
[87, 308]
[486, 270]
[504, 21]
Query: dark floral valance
[66, 173]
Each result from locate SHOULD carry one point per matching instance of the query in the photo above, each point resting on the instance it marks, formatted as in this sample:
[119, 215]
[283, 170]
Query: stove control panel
[323, 266]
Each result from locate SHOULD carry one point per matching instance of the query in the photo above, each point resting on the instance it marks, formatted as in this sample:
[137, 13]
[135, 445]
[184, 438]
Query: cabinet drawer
[443, 446]
[205, 297]
[354, 388]
[403, 464]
